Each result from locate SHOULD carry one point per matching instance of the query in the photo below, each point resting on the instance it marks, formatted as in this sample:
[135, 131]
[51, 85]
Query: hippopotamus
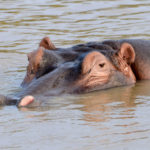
[81, 68]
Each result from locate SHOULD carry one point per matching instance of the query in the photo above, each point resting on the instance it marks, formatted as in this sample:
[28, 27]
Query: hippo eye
[102, 65]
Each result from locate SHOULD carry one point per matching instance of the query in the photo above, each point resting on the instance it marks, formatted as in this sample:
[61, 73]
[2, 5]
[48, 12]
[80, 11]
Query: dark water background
[114, 119]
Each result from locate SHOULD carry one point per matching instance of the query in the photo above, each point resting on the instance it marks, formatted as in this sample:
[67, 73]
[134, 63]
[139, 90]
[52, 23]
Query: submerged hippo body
[90, 67]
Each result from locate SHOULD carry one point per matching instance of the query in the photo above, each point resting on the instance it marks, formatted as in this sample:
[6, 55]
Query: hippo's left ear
[47, 44]
[127, 53]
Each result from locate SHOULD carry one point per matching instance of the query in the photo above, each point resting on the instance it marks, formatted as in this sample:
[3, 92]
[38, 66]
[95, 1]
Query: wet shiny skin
[113, 119]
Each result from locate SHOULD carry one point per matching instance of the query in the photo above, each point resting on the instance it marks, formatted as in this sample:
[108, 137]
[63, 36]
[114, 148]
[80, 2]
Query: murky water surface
[114, 119]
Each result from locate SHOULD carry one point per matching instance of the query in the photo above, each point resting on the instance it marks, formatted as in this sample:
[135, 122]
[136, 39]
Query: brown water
[114, 119]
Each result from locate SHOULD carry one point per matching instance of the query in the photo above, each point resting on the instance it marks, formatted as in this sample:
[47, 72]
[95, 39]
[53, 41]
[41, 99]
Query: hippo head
[98, 65]
[93, 70]
[106, 69]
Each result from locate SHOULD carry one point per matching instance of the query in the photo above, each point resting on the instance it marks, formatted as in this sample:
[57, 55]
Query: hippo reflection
[82, 68]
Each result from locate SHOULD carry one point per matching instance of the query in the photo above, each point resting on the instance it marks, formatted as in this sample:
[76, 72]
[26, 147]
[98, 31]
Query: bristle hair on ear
[127, 53]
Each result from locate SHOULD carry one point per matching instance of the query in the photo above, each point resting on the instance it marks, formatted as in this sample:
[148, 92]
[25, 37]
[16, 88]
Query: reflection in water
[99, 116]
[113, 119]
[101, 106]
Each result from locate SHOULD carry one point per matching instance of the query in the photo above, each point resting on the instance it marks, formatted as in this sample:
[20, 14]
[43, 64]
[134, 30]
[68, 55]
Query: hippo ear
[127, 53]
[36, 55]
[47, 44]
[92, 59]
